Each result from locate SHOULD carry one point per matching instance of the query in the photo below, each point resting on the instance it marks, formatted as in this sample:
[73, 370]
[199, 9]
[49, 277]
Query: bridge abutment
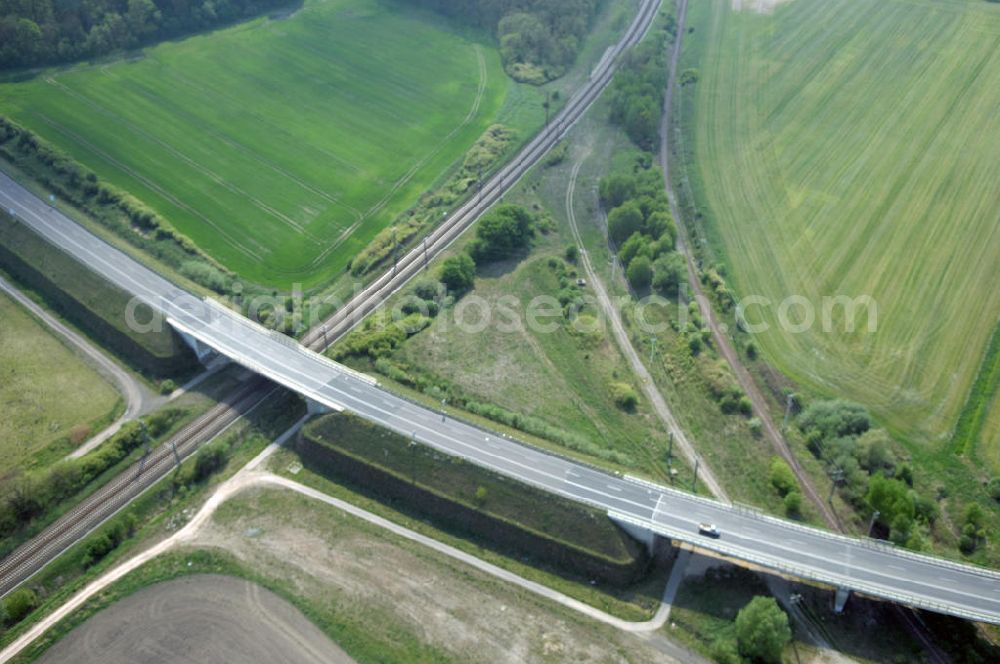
[205, 353]
[316, 408]
[645, 536]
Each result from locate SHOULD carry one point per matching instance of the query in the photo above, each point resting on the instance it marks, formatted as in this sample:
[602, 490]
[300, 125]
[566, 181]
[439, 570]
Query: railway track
[32, 556]
[377, 292]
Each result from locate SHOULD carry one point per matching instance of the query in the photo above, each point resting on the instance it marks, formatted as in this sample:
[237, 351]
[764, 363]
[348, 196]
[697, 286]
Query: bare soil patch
[401, 591]
[202, 618]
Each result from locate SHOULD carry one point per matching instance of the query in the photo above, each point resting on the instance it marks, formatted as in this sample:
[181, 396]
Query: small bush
[19, 604]
[793, 503]
[458, 273]
[745, 406]
[624, 396]
[993, 487]
[781, 477]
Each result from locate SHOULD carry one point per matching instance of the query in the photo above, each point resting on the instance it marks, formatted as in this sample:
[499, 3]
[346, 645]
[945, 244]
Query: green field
[852, 147]
[46, 390]
[281, 146]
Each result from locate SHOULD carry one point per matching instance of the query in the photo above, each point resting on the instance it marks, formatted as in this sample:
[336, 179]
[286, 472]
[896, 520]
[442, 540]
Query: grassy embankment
[808, 221]
[283, 186]
[472, 502]
[52, 398]
[90, 303]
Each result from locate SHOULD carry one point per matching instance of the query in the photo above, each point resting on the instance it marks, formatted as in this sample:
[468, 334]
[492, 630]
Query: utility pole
[547, 105]
[444, 415]
[871, 524]
[145, 441]
[425, 254]
[837, 477]
[395, 253]
[694, 480]
[670, 448]
[652, 349]
[480, 183]
[788, 410]
[177, 457]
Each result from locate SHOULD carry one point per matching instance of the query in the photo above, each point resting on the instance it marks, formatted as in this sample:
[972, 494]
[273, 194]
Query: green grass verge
[514, 518]
[849, 148]
[48, 392]
[279, 146]
[971, 424]
[90, 302]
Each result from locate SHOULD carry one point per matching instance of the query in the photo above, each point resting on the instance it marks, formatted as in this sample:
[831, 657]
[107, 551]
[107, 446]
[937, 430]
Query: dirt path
[130, 388]
[722, 341]
[660, 406]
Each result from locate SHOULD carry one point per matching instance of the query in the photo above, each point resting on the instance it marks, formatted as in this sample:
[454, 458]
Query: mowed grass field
[45, 389]
[852, 147]
[280, 146]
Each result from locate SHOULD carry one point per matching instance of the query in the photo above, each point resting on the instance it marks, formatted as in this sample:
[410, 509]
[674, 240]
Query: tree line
[45, 32]
[539, 39]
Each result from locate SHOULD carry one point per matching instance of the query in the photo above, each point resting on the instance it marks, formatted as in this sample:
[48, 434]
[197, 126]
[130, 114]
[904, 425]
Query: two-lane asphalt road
[860, 565]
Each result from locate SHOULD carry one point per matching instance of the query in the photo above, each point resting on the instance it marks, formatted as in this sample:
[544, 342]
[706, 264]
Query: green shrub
[781, 477]
[762, 630]
[835, 418]
[502, 232]
[793, 503]
[993, 488]
[19, 604]
[624, 396]
[640, 272]
[458, 273]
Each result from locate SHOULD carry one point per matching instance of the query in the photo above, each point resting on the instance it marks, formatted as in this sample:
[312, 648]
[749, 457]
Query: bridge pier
[840, 600]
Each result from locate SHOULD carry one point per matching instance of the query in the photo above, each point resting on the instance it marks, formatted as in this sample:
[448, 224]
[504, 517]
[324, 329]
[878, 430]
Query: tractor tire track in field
[193, 163]
[639, 370]
[153, 186]
[401, 182]
[722, 341]
[204, 93]
[909, 617]
[237, 146]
